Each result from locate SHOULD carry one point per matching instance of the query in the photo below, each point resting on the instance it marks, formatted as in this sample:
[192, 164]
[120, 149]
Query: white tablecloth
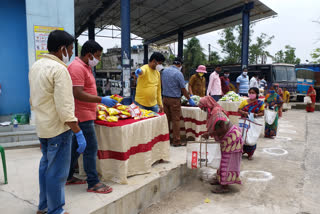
[131, 149]
[193, 122]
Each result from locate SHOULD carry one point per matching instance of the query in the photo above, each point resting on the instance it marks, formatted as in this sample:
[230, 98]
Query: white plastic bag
[210, 155]
[270, 116]
[307, 100]
[286, 106]
[250, 130]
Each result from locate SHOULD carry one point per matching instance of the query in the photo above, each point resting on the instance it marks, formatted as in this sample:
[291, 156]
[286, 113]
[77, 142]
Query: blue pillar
[180, 44]
[91, 36]
[125, 47]
[245, 36]
[91, 33]
[145, 54]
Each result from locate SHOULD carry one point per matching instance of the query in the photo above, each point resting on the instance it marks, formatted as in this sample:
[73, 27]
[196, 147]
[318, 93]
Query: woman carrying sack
[273, 101]
[312, 94]
[256, 108]
[230, 139]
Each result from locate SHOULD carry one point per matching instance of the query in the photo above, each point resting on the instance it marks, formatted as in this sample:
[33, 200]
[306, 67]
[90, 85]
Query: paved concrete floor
[288, 183]
[294, 187]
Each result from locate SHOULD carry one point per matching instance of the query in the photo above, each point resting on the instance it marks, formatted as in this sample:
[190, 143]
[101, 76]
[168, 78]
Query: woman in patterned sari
[312, 94]
[230, 139]
[273, 101]
[254, 106]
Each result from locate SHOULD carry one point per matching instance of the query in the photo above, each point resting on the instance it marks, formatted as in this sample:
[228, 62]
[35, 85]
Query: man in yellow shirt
[148, 91]
[286, 96]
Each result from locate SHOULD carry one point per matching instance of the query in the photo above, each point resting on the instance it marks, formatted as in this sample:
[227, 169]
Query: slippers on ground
[75, 181]
[100, 188]
[220, 190]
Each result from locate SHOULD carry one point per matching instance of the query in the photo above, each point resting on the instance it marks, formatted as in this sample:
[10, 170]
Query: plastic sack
[210, 155]
[307, 100]
[270, 116]
[286, 106]
[250, 131]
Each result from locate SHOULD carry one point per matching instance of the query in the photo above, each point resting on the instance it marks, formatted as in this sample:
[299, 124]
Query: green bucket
[21, 118]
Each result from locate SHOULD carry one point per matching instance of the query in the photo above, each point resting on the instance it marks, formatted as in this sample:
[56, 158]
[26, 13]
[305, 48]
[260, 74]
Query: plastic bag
[250, 131]
[307, 100]
[210, 155]
[270, 116]
[113, 111]
[116, 97]
[101, 107]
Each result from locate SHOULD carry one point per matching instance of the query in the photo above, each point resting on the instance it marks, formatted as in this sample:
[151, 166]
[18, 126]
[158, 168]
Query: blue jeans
[152, 108]
[53, 171]
[89, 154]
[133, 93]
[216, 97]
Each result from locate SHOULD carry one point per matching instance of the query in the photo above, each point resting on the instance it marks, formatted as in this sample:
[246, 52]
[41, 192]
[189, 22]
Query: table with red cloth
[192, 122]
[130, 147]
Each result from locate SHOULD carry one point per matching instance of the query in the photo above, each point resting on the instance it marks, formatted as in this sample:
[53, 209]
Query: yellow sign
[41, 34]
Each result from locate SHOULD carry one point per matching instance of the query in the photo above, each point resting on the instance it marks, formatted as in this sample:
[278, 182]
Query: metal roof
[152, 19]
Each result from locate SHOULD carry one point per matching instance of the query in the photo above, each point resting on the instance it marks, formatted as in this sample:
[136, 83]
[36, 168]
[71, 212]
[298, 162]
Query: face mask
[252, 96]
[180, 68]
[159, 67]
[93, 62]
[272, 91]
[226, 75]
[244, 73]
[65, 59]
[201, 74]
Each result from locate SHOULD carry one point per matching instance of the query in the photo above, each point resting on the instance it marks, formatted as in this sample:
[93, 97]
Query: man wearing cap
[214, 87]
[197, 82]
[172, 86]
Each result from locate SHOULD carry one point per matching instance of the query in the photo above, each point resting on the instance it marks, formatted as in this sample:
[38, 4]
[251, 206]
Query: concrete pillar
[180, 44]
[245, 36]
[146, 54]
[125, 47]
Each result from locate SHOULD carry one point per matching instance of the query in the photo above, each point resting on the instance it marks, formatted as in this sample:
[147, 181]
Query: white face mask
[93, 62]
[180, 68]
[244, 73]
[159, 67]
[65, 59]
[226, 75]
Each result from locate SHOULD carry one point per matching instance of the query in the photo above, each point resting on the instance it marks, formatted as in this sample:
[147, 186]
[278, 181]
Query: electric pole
[209, 52]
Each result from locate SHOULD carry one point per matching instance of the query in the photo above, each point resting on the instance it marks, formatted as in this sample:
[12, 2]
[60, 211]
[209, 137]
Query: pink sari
[231, 154]
[231, 144]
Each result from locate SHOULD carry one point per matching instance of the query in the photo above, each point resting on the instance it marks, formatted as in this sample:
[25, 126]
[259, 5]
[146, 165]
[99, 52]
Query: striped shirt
[244, 84]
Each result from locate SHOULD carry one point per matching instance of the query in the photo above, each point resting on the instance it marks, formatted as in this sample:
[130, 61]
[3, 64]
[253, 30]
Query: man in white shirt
[254, 81]
[214, 87]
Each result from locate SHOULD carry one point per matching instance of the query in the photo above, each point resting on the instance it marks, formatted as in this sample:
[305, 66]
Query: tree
[257, 51]
[214, 59]
[231, 44]
[316, 56]
[193, 54]
[279, 57]
[287, 56]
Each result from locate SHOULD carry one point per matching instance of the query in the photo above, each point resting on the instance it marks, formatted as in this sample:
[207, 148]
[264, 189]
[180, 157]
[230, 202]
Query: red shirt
[81, 75]
[225, 84]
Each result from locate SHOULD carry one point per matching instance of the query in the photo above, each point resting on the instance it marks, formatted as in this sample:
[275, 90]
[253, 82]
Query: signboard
[126, 73]
[41, 34]
[115, 86]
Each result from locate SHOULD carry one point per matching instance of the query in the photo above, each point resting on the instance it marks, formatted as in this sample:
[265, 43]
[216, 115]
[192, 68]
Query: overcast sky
[293, 26]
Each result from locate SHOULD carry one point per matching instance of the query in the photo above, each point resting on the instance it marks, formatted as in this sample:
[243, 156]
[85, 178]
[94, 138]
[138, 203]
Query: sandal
[100, 188]
[250, 157]
[220, 190]
[74, 181]
[42, 212]
[214, 182]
